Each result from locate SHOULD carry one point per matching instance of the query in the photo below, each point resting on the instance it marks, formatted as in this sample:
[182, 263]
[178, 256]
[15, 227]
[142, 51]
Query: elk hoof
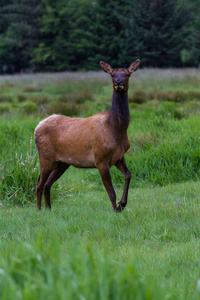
[119, 208]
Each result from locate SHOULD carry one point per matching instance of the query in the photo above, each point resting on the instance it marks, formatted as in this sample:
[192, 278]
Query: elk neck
[119, 113]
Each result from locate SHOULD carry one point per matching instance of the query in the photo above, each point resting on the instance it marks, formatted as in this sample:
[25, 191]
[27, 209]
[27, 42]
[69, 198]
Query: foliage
[18, 34]
[19, 165]
[75, 34]
[154, 31]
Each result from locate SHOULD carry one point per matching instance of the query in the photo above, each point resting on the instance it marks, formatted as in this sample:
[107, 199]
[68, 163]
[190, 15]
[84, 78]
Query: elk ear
[134, 66]
[106, 67]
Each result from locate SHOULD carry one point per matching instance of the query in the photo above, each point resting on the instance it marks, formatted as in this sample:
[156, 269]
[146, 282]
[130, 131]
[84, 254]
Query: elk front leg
[121, 165]
[106, 178]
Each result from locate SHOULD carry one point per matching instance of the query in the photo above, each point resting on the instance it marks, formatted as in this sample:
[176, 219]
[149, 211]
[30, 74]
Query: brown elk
[99, 141]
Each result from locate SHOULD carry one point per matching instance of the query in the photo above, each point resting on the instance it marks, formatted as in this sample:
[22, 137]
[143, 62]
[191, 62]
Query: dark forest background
[49, 35]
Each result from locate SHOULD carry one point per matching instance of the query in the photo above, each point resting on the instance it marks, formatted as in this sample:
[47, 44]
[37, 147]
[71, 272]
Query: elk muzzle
[119, 88]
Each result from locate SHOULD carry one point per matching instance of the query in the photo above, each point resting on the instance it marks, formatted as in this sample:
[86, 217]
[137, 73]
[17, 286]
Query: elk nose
[118, 82]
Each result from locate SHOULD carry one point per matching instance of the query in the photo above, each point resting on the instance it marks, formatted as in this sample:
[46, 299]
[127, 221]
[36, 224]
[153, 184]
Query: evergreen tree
[190, 54]
[18, 34]
[66, 35]
[106, 31]
[76, 34]
[155, 32]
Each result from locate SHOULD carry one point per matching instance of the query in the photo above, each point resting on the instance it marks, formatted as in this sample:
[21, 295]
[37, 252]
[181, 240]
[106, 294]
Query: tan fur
[81, 142]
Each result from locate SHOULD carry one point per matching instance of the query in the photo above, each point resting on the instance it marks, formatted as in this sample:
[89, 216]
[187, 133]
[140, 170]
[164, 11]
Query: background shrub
[29, 107]
[33, 88]
[6, 98]
[5, 108]
[68, 109]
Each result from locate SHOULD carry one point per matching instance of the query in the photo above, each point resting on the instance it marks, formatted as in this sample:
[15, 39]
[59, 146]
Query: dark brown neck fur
[119, 113]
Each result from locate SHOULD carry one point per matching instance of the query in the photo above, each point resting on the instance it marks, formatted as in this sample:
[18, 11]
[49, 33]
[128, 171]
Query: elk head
[120, 76]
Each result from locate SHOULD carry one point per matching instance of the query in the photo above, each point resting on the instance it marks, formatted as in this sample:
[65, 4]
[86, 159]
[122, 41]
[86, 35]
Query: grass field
[82, 250]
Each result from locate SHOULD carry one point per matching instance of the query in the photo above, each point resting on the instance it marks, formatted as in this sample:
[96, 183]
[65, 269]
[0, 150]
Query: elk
[99, 141]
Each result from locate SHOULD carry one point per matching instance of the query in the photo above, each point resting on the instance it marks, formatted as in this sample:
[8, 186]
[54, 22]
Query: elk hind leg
[39, 194]
[56, 173]
[44, 174]
[121, 165]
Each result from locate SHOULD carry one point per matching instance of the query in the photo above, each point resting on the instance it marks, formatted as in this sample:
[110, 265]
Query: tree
[18, 34]
[49, 35]
[155, 32]
[106, 31]
[190, 54]
[76, 35]
[66, 35]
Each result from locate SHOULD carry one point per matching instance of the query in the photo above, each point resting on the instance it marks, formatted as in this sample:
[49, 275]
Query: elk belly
[80, 162]
[77, 153]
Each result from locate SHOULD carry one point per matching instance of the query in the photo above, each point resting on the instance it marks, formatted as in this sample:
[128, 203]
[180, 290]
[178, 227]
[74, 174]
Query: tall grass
[82, 250]
[163, 150]
[164, 135]
[19, 161]
[38, 271]
[43, 91]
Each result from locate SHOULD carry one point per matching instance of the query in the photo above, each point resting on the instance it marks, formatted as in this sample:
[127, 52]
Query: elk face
[120, 77]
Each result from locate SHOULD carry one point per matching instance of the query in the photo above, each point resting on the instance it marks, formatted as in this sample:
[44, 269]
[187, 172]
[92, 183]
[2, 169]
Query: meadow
[82, 249]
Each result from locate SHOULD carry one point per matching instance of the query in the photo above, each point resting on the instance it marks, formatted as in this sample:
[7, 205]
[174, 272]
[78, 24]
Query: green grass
[82, 249]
